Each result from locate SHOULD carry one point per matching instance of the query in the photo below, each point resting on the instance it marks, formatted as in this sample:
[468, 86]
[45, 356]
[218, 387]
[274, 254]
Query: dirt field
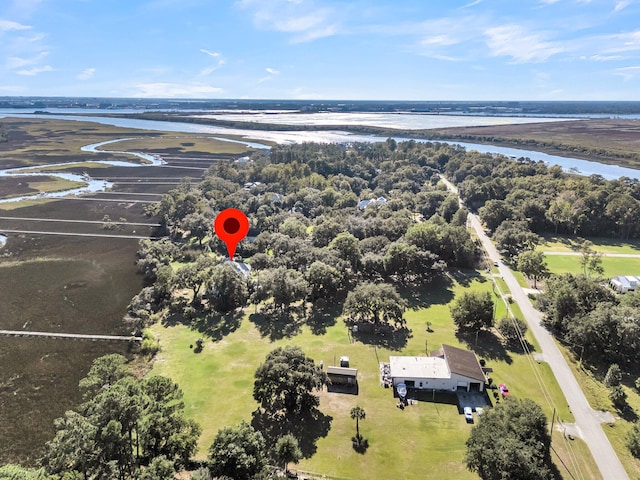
[602, 140]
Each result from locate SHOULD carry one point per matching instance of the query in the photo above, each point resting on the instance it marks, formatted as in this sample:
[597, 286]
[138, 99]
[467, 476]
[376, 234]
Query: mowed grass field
[613, 266]
[600, 244]
[426, 440]
[570, 263]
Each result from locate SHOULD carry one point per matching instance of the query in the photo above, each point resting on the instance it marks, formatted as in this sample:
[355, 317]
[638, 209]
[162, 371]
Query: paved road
[586, 420]
[72, 336]
[100, 235]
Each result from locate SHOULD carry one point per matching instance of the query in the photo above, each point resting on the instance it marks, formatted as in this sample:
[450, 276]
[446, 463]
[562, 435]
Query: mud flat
[49, 283]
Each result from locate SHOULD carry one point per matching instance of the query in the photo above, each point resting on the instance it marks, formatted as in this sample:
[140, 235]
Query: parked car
[504, 390]
[496, 263]
[479, 410]
[468, 414]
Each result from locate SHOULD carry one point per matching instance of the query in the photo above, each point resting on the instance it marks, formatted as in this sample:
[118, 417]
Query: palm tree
[358, 413]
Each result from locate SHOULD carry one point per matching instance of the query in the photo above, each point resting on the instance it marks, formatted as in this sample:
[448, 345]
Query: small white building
[449, 368]
[625, 283]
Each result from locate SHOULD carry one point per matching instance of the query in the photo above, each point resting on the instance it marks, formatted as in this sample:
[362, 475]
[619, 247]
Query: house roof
[344, 371]
[462, 362]
[418, 367]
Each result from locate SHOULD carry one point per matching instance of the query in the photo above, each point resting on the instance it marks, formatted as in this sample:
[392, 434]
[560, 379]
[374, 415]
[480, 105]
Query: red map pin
[231, 226]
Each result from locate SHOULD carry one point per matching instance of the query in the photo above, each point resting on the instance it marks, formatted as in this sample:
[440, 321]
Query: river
[575, 165]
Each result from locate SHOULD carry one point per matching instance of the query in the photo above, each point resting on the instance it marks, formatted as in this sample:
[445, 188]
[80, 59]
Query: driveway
[587, 420]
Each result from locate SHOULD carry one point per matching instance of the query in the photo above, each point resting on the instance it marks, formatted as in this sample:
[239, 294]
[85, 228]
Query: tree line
[546, 199]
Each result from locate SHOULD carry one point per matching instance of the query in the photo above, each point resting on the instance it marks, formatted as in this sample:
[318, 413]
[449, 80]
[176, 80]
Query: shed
[342, 375]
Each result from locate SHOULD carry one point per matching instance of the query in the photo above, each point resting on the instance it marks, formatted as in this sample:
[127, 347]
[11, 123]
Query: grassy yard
[218, 386]
[602, 245]
[597, 395]
[613, 266]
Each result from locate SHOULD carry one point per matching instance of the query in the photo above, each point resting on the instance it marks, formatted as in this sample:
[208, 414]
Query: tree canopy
[286, 381]
[377, 303]
[122, 425]
[511, 441]
[473, 311]
[237, 452]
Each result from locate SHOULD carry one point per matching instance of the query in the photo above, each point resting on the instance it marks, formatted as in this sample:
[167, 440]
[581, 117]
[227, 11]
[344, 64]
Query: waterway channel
[575, 165]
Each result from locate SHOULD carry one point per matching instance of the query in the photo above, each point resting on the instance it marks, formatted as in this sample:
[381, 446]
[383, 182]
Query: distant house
[250, 185]
[362, 204]
[244, 159]
[242, 268]
[449, 368]
[625, 283]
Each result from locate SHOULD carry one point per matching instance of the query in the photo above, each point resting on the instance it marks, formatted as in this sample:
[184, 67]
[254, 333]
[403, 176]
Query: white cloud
[8, 25]
[446, 58]
[440, 40]
[621, 5]
[304, 20]
[212, 68]
[210, 53]
[35, 70]
[603, 58]
[272, 73]
[19, 62]
[86, 74]
[172, 90]
[518, 43]
[471, 4]
[627, 73]
[205, 72]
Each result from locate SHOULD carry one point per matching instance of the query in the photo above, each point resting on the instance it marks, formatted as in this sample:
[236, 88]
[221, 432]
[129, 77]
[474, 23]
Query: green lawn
[613, 266]
[218, 386]
[597, 395]
[522, 281]
[604, 245]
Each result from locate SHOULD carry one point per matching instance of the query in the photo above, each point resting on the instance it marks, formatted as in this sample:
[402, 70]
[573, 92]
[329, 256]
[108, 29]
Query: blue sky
[322, 49]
